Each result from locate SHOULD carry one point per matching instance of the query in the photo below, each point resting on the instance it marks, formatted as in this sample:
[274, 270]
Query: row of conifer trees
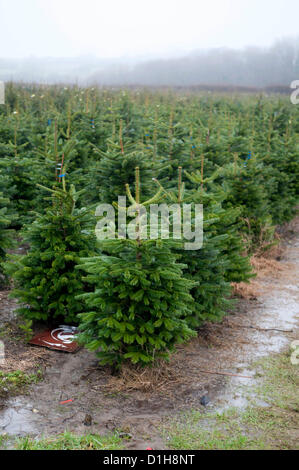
[64, 151]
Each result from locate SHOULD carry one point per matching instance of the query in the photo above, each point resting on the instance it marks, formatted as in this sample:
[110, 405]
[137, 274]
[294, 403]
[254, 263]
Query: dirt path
[138, 406]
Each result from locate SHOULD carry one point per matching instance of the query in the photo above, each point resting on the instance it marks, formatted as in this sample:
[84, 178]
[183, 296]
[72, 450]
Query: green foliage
[220, 260]
[140, 299]
[26, 327]
[243, 183]
[240, 155]
[12, 383]
[46, 281]
[70, 441]
[5, 236]
[116, 168]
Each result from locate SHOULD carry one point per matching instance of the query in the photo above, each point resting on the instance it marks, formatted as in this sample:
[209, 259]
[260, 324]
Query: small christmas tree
[245, 192]
[227, 223]
[140, 299]
[219, 261]
[46, 280]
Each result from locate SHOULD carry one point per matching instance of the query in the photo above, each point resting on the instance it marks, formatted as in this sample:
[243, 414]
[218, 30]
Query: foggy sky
[139, 28]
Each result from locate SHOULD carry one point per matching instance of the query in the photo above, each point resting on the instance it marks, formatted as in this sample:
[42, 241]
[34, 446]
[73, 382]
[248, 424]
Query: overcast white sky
[144, 28]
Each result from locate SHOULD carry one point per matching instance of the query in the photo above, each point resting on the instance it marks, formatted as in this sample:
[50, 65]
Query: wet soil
[257, 327]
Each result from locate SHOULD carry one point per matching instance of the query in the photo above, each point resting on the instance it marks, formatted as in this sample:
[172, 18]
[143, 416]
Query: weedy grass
[275, 426]
[280, 383]
[69, 441]
[17, 382]
[18, 330]
[3, 440]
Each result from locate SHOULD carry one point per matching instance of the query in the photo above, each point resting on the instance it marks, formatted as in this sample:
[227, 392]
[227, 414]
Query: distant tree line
[275, 67]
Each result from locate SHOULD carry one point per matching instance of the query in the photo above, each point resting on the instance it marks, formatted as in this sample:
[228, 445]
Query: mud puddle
[17, 418]
[274, 327]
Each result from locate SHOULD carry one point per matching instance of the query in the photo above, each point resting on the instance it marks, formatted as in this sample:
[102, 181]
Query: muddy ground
[263, 322]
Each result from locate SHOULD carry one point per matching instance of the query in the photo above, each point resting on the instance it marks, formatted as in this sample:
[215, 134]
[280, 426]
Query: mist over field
[251, 67]
[170, 43]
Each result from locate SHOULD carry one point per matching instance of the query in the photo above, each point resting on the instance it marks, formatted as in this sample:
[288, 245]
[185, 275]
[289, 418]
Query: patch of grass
[6, 330]
[280, 381]
[69, 441]
[275, 426]
[210, 431]
[20, 330]
[3, 439]
[17, 382]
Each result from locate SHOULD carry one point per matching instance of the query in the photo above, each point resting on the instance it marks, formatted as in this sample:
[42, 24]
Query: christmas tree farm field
[66, 151]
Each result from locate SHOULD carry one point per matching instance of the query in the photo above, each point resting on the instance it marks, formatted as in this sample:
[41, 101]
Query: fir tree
[228, 221]
[220, 260]
[137, 309]
[245, 194]
[116, 168]
[45, 278]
